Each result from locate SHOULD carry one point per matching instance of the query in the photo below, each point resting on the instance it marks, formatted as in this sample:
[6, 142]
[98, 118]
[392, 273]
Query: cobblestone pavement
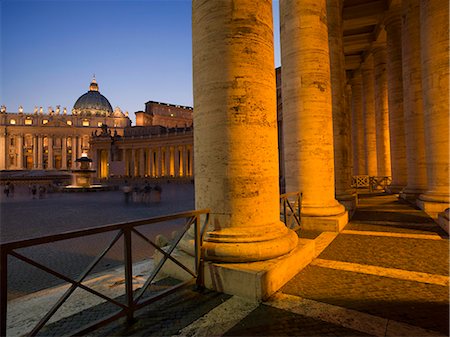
[416, 303]
[323, 300]
[23, 217]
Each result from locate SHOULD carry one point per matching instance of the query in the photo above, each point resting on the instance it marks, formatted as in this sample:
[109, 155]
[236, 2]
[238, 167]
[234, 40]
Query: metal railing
[133, 299]
[291, 204]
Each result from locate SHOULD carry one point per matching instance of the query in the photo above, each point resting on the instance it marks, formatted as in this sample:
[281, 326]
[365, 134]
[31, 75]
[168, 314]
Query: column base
[334, 223]
[443, 220]
[432, 208]
[253, 280]
[349, 202]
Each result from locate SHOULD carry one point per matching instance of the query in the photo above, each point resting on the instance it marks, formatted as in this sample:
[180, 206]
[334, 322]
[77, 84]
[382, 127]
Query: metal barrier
[291, 204]
[134, 300]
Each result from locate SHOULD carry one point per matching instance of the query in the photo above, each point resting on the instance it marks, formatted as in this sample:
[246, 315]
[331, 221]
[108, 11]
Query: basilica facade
[53, 140]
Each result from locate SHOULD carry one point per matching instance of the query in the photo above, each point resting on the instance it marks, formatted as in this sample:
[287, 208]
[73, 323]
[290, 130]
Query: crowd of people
[35, 190]
[141, 194]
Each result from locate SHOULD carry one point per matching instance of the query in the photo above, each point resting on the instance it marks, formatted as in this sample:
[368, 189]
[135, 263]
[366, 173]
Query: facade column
[3, 152]
[191, 161]
[79, 146]
[176, 160]
[74, 151]
[35, 152]
[412, 101]
[50, 158]
[307, 113]
[64, 153]
[236, 148]
[171, 151]
[179, 161]
[370, 138]
[141, 162]
[341, 116]
[160, 162]
[381, 111]
[134, 168]
[185, 163]
[40, 152]
[435, 84]
[359, 155]
[20, 151]
[395, 98]
[168, 172]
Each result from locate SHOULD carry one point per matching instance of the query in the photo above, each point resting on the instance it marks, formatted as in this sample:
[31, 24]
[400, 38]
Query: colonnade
[235, 120]
[161, 161]
[406, 73]
[43, 151]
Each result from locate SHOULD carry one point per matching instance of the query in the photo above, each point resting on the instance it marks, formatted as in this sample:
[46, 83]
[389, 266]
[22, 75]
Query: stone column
[3, 152]
[435, 84]
[74, 151]
[341, 116]
[185, 163]
[370, 138]
[370, 141]
[168, 161]
[64, 153]
[359, 155]
[141, 162]
[307, 113]
[412, 101]
[160, 162]
[191, 161]
[20, 151]
[176, 155]
[40, 148]
[395, 98]
[381, 110]
[235, 131]
[35, 152]
[132, 162]
[50, 152]
[79, 146]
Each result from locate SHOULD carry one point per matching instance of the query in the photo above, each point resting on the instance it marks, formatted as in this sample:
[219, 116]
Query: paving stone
[427, 256]
[162, 318]
[269, 321]
[418, 304]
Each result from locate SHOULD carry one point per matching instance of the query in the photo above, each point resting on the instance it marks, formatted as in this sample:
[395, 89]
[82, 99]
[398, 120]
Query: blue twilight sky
[138, 51]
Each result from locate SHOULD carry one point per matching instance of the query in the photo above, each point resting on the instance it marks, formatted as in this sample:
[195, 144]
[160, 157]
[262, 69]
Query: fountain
[82, 178]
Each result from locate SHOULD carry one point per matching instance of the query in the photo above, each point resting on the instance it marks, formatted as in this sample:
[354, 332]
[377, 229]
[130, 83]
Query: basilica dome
[92, 103]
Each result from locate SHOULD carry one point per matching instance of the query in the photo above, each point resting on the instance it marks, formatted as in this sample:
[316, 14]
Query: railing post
[198, 247]
[128, 259]
[3, 291]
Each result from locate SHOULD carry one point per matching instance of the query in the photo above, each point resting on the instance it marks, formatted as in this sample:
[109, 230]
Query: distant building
[160, 145]
[53, 140]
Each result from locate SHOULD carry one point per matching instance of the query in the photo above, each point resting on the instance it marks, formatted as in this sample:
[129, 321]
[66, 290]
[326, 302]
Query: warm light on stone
[413, 105]
[435, 84]
[359, 156]
[235, 134]
[369, 116]
[381, 110]
[341, 116]
[307, 110]
[395, 98]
